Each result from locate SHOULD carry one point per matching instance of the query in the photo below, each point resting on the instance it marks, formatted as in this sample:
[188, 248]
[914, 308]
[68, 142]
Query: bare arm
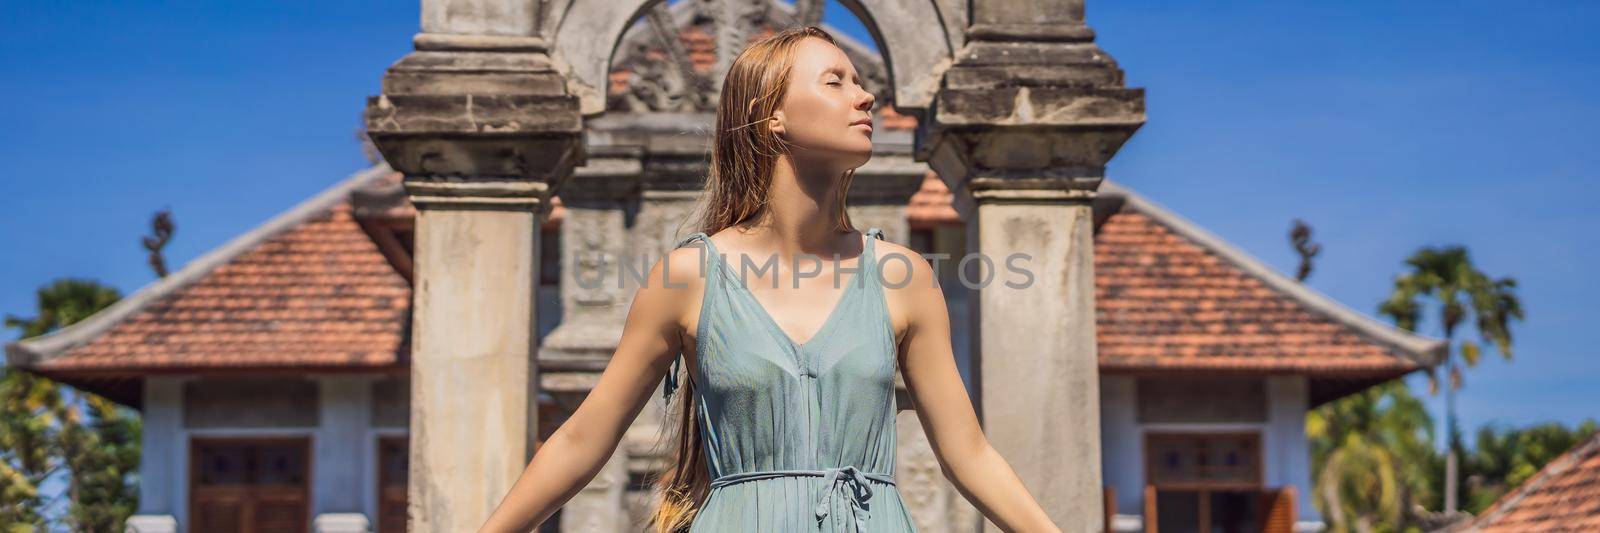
[577, 451]
[945, 409]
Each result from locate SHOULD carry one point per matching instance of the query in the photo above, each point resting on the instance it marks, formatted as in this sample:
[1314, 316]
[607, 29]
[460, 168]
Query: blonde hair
[737, 191]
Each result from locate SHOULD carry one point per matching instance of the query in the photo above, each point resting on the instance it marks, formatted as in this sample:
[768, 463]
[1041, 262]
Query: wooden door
[250, 485]
[1202, 482]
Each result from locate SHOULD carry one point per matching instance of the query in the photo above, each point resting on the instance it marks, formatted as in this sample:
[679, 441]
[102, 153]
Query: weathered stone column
[484, 130]
[594, 301]
[1022, 128]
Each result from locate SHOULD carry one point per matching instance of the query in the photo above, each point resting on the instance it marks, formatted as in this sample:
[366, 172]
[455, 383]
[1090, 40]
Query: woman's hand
[934, 383]
[577, 451]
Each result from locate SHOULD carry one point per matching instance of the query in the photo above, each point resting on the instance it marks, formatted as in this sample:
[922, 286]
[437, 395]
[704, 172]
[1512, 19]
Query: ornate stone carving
[662, 73]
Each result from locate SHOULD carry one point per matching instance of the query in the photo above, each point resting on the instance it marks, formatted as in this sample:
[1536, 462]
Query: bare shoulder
[903, 269]
[910, 285]
[683, 268]
[666, 294]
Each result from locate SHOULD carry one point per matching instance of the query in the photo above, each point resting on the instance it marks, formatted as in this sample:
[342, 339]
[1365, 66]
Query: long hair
[737, 191]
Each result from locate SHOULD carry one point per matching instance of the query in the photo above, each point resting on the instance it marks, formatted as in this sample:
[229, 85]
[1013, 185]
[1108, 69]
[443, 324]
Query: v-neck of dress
[761, 309]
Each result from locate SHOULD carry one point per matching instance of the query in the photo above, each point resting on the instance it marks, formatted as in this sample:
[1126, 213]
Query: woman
[786, 417]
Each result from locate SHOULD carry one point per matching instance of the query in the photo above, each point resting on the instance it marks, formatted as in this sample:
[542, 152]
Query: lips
[863, 122]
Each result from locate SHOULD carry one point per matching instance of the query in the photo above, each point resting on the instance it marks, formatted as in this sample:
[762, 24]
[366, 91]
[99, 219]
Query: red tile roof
[932, 205]
[1563, 496]
[319, 293]
[1164, 301]
[307, 290]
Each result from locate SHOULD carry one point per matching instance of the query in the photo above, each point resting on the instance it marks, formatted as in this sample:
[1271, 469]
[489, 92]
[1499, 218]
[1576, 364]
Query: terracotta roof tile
[1563, 496]
[1165, 302]
[932, 205]
[318, 295]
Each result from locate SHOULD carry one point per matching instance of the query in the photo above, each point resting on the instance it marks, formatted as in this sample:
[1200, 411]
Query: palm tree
[44, 429]
[1372, 452]
[1463, 293]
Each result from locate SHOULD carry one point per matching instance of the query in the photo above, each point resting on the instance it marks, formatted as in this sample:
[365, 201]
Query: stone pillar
[594, 302]
[596, 289]
[1027, 118]
[484, 130]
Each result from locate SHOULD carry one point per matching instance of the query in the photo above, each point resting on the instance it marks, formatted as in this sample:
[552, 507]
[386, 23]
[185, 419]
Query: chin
[860, 158]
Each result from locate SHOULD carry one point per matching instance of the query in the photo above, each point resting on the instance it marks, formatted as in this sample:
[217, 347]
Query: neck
[803, 210]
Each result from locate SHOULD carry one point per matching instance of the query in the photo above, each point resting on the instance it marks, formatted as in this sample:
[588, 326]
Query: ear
[775, 125]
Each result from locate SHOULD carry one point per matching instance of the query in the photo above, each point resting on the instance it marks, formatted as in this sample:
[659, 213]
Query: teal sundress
[799, 437]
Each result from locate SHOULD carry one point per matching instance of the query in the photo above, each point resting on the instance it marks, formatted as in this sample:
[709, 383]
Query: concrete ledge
[341, 523]
[1310, 526]
[151, 523]
[1127, 523]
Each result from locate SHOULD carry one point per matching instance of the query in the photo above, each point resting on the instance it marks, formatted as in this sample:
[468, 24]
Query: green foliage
[1376, 467]
[1504, 457]
[48, 429]
[1372, 454]
[1463, 295]
[31, 408]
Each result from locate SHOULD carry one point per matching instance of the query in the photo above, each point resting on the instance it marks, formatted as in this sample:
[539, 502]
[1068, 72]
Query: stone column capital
[1029, 111]
[477, 120]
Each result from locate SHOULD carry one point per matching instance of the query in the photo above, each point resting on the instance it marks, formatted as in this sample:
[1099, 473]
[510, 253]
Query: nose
[865, 101]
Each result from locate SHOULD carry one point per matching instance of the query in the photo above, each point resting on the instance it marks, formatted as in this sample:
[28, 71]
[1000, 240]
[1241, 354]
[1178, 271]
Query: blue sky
[1385, 125]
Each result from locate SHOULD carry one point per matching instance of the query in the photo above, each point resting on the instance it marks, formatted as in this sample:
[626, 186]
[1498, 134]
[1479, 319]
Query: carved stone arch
[914, 38]
[679, 73]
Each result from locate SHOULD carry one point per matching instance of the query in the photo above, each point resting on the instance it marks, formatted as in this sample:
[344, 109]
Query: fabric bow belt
[848, 482]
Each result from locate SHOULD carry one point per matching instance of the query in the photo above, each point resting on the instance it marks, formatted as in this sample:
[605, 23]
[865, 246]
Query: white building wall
[159, 465]
[1286, 452]
[340, 448]
[343, 451]
[1122, 443]
[1289, 459]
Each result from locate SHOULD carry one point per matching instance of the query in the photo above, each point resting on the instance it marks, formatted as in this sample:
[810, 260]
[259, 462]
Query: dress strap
[691, 237]
[869, 255]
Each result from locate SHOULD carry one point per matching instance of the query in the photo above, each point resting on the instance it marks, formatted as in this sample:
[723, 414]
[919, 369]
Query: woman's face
[826, 113]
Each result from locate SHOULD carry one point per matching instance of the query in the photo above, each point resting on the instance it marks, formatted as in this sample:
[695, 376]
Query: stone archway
[486, 120]
[660, 95]
[586, 35]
